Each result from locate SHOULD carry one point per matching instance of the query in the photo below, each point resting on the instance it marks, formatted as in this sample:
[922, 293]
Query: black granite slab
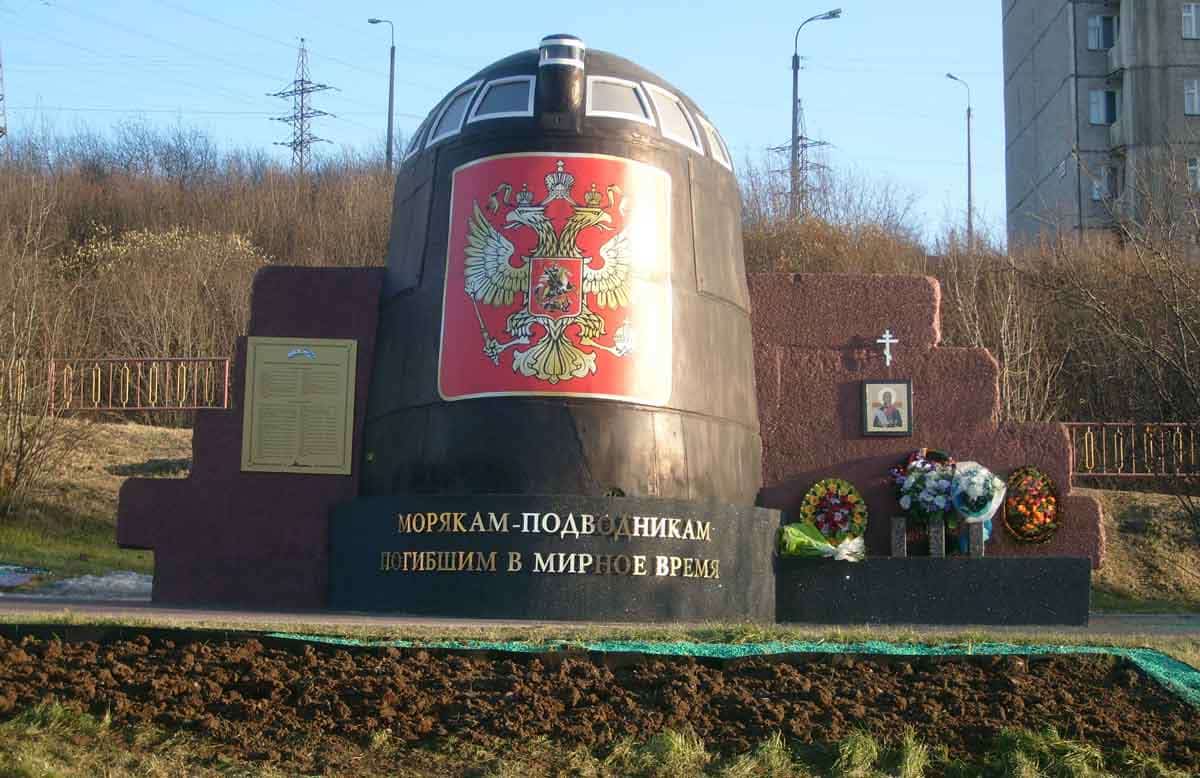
[924, 590]
[384, 558]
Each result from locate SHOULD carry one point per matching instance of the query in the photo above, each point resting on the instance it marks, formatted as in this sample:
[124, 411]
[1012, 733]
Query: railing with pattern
[163, 384]
[14, 385]
[1129, 450]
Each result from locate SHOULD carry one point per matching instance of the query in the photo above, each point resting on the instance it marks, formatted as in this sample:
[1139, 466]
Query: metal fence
[163, 384]
[14, 384]
[1130, 450]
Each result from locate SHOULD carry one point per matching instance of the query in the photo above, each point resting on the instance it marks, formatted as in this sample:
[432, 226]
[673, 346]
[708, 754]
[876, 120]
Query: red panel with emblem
[558, 279]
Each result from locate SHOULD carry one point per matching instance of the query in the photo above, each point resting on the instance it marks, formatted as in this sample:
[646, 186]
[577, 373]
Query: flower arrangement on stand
[1031, 508]
[923, 486]
[833, 518]
[977, 494]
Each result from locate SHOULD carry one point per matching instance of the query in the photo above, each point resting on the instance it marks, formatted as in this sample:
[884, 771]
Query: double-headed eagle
[492, 279]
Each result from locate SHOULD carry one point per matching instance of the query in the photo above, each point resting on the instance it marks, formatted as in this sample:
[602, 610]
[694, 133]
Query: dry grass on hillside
[90, 477]
[1153, 557]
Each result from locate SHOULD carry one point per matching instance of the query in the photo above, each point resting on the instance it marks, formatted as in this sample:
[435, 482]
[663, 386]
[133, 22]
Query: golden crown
[559, 183]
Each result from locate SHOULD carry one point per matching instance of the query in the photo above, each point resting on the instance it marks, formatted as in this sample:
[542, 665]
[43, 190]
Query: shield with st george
[558, 279]
[555, 286]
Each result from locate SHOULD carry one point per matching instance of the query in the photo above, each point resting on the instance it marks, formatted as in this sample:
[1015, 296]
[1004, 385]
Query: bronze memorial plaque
[299, 405]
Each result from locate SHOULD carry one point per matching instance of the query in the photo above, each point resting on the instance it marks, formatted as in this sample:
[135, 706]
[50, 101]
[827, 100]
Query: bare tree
[989, 304]
[1136, 292]
[38, 316]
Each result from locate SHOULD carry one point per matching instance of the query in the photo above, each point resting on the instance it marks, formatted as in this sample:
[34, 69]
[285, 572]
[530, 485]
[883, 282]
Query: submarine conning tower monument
[546, 406]
[543, 408]
[565, 310]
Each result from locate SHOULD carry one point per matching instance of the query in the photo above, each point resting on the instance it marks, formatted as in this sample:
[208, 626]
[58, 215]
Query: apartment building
[1102, 107]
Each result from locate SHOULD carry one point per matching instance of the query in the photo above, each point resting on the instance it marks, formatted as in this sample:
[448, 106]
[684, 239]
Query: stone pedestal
[560, 557]
[937, 537]
[975, 538]
[899, 537]
[920, 590]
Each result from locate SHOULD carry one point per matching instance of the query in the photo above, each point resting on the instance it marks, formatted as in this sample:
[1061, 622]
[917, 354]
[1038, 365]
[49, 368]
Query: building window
[616, 98]
[673, 118]
[1103, 32]
[505, 98]
[450, 121]
[1194, 174]
[1191, 21]
[1191, 96]
[1103, 106]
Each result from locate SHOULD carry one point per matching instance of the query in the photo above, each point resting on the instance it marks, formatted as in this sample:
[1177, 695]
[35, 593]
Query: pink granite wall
[256, 539]
[814, 339]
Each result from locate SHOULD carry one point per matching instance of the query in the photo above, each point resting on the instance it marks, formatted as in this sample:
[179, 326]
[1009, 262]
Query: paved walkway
[1116, 624]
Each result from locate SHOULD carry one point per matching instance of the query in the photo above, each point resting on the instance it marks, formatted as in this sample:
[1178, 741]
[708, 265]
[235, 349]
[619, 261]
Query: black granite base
[553, 557]
[916, 590]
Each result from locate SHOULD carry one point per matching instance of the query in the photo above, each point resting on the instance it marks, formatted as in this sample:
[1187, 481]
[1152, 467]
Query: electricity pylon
[302, 112]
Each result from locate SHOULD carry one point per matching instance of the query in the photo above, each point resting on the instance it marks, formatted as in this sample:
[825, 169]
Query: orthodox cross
[887, 340]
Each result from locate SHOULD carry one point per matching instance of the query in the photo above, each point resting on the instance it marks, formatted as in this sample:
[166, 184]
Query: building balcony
[1118, 133]
[1116, 60]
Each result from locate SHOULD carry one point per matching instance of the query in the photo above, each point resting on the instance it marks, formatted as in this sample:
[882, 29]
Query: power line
[302, 112]
[177, 46]
[150, 37]
[114, 109]
[207, 88]
[426, 56]
[278, 42]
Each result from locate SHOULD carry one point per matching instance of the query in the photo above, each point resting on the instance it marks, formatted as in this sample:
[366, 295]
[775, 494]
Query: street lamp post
[391, 86]
[970, 168]
[794, 201]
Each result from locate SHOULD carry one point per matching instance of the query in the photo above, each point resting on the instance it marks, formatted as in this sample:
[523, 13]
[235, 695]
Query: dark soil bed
[259, 702]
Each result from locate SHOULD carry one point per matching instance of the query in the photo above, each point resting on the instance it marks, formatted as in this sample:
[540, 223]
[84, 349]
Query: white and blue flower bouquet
[977, 494]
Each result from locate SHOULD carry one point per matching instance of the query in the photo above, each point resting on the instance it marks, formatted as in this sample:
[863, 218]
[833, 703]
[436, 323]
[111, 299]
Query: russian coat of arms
[565, 290]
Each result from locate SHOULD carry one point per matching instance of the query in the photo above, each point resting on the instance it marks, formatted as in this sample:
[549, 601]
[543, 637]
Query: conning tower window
[673, 118]
[450, 121]
[617, 98]
[716, 144]
[505, 97]
[414, 144]
[561, 50]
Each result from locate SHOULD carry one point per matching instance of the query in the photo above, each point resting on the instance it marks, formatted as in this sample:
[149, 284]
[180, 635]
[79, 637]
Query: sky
[873, 83]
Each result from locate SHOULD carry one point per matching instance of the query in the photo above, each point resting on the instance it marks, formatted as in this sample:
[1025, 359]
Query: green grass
[69, 527]
[54, 741]
[1104, 599]
[857, 756]
[66, 543]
